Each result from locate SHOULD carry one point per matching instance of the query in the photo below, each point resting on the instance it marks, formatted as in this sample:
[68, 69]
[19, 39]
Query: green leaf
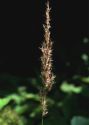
[70, 88]
[85, 79]
[78, 120]
[4, 102]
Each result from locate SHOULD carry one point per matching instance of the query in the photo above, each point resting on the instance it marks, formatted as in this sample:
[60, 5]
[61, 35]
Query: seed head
[46, 58]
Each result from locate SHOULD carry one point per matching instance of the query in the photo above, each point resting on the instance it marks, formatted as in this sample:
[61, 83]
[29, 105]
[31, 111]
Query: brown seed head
[46, 58]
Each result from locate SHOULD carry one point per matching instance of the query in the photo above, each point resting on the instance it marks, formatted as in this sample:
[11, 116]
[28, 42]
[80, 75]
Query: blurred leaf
[4, 102]
[35, 112]
[9, 117]
[78, 120]
[20, 109]
[85, 40]
[70, 88]
[18, 98]
[85, 79]
[85, 57]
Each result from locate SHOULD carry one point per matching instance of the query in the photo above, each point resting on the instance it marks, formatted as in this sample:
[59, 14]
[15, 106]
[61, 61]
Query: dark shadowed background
[22, 35]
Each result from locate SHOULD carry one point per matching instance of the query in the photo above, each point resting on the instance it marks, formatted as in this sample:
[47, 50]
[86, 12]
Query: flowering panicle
[46, 58]
[46, 62]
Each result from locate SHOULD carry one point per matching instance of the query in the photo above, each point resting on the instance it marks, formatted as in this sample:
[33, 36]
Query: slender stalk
[42, 120]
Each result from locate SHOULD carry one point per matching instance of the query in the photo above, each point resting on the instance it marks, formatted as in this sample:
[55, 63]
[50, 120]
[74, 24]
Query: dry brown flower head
[46, 63]
[46, 58]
